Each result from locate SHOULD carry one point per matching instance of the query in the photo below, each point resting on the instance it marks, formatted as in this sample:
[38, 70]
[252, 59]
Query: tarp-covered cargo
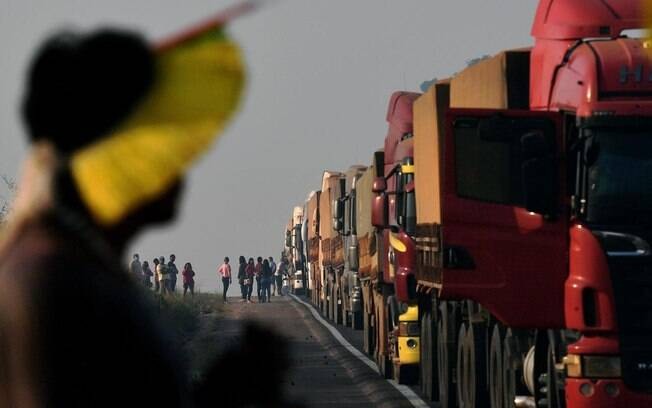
[366, 241]
[429, 115]
[312, 209]
[499, 82]
[330, 190]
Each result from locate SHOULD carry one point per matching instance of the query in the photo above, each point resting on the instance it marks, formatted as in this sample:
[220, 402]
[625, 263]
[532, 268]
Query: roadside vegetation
[192, 324]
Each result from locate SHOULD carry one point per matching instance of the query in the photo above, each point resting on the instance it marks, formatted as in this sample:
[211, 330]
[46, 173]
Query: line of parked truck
[497, 248]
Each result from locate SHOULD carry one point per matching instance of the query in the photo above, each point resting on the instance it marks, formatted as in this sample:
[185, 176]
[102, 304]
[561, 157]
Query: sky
[320, 74]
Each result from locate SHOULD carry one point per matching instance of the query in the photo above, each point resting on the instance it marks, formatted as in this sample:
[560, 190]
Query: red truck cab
[585, 67]
[401, 208]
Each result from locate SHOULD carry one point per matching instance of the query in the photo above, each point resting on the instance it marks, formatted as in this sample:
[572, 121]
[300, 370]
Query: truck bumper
[607, 393]
[409, 350]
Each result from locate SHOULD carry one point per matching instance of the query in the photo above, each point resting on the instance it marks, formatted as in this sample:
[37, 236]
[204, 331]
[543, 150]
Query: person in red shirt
[188, 279]
[225, 272]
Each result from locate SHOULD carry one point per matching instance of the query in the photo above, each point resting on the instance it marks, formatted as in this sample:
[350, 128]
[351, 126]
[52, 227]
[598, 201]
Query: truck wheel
[356, 320]
[367, 334]
[427, 358]
[335, 316]
[511, 362]
[384, 366]
[496, 396]
[472, 366]
[338, 310]
[406, 374]
[550, 392]
[326, 301]
[344, 310]
[462, 368]
[445, 358]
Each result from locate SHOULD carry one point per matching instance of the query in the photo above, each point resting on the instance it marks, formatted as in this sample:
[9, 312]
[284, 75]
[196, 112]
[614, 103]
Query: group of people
[164, 275]
[265, 273]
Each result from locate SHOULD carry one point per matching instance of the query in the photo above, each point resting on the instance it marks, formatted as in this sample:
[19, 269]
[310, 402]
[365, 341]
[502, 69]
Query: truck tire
[496, 396]
[356, 320]
[385, 366]
[428, 358]
[472, 366]
[337, 304]
[549, 391]
[367, 334]
[405, 374]
[511, 364]
[446, 357]
[324, 301]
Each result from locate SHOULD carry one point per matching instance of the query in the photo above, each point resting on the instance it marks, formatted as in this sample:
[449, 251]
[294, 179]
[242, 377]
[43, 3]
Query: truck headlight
[411, 343]
[593, 366]
[408, 329]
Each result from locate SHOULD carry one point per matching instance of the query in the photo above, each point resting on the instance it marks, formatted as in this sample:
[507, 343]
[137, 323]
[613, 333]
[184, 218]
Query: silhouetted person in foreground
[74, 331]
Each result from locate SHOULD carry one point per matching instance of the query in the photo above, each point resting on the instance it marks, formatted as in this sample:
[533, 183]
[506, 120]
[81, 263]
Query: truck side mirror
[539, 174]
[379, 185]
[379, 211]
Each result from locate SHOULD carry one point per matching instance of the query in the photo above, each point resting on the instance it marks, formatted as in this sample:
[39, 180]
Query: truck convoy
[503, 232]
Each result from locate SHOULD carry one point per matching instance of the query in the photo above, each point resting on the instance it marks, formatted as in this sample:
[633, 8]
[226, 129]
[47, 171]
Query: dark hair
[242, 259]
[81, 86]
[187, 265]
[155, 261]
[266, 263]
[260, 259]
[226, 259]
[251, 260]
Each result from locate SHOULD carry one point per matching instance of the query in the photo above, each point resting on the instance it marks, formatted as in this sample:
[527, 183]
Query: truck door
[498, 251]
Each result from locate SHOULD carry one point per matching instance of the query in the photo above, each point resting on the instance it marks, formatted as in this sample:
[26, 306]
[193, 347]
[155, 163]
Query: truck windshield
[620, 178]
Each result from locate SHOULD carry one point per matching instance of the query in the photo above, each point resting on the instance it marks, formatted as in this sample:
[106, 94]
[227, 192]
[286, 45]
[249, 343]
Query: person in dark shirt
[242, 275]
[266, 282]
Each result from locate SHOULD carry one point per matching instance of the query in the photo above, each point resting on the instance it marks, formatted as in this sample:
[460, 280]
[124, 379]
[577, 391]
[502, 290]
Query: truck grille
[632, 285]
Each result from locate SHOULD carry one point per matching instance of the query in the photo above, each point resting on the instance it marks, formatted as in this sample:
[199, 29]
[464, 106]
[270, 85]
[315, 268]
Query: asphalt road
[324, 373]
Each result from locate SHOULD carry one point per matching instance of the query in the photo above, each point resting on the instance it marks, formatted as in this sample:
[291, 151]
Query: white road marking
[410, 395]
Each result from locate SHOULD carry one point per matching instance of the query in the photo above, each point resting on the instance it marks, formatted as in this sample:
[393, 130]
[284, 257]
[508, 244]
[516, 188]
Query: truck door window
[486, 169]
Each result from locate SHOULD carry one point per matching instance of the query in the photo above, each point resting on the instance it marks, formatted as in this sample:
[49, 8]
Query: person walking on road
[266, 281]
[147, 275]
[259, 275]
[136, 269]
[225, 272]
[272, 266]
[173, 271]
[163, 276]
[242, 266]
[188, 276]
[157, 278]
[250, 273]
[278, 276]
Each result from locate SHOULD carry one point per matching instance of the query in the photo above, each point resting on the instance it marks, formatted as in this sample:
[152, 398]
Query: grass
[191, 323]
